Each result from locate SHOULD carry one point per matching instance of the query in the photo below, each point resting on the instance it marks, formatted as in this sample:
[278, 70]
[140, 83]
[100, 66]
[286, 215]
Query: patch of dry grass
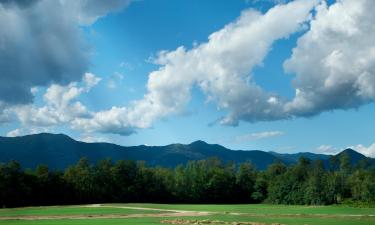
[217, 222]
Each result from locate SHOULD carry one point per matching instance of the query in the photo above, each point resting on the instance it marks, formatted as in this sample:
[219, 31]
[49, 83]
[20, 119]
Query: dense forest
[205, 181]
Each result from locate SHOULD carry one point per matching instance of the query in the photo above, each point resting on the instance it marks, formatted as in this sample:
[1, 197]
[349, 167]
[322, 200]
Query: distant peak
[199, 142]
[350, 152]
[49, 135]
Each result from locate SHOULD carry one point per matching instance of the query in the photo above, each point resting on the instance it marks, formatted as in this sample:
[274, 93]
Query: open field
[116, 214]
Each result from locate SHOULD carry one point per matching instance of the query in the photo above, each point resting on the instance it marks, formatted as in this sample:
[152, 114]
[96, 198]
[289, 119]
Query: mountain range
[58, 151]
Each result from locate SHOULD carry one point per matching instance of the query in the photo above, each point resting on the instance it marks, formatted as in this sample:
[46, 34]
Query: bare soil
[190, 222]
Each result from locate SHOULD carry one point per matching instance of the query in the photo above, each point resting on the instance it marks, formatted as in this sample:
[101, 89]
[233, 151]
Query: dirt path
[164, 213]
[144, 208]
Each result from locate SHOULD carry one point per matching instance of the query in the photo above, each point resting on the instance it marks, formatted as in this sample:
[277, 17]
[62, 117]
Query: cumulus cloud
[35, 51]
[257, 136]
[334, 62]
[221, 67]
[116, 120]
[61, 105]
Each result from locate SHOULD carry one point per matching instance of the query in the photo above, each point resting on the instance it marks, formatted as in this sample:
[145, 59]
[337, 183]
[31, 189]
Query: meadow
[116, 214]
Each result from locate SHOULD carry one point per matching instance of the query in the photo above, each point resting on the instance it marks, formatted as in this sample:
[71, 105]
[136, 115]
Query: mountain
[58, 151]
[354, 156]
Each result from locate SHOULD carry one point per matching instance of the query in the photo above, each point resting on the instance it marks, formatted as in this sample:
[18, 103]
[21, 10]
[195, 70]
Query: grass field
[116, 214]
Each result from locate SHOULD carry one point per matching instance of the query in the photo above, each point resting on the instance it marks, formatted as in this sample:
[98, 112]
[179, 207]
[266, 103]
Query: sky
[274, 75]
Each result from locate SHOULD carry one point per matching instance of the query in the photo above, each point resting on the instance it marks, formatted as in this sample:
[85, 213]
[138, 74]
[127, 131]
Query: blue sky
[122, 46]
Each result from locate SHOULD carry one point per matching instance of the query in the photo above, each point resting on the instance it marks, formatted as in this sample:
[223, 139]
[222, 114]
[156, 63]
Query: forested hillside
[204, 181]
[59, 151]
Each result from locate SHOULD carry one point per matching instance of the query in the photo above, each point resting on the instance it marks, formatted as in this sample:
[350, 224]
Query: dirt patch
[190, 222]
[138, 208]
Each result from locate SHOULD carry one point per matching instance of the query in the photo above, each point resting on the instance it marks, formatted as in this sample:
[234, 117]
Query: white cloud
[257, 136]
[334, 61]
[221, 67]
[91, 80]
[115, 121]
[61, 105]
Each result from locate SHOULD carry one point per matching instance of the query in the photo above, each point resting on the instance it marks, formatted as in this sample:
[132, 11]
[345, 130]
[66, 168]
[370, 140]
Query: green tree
[260, 188]
[245, 181]
[81, 179]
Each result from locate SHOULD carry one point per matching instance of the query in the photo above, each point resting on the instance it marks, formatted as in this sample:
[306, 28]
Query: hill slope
[59, 151]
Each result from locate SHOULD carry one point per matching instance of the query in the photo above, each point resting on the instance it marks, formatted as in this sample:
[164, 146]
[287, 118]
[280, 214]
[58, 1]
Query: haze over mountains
[58, 151]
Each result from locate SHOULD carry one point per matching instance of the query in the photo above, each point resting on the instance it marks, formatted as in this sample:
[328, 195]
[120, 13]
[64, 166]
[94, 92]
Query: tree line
[205, 181]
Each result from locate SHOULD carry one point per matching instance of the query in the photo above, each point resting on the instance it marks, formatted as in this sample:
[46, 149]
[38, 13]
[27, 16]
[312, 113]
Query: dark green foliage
[245, 181]
[205, 181]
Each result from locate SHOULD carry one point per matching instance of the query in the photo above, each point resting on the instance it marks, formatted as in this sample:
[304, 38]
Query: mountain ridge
[58, 151]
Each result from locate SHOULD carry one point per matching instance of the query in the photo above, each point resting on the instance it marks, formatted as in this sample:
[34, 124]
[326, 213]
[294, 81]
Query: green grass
[264, 209]
[290, 215]
[70, 210]
[132, 221]
[146, 221]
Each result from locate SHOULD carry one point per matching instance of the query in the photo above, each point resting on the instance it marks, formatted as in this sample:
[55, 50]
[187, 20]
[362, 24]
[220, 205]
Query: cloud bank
[41, 43]
[334, 61]
[221, 67]
[61, 105]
